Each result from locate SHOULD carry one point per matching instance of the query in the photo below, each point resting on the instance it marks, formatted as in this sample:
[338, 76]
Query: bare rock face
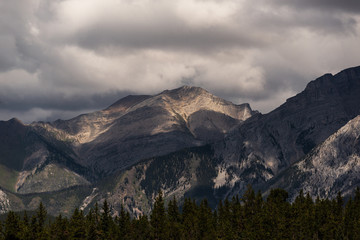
[265, 145]
[139, 127]
[332, 167]
[4, 202]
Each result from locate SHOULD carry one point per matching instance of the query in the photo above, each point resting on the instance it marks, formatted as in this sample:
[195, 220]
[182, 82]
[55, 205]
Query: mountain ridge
[265, 145]
[184, 141]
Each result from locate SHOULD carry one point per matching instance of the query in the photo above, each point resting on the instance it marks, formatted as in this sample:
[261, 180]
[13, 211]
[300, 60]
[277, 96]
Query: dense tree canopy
[247, 217]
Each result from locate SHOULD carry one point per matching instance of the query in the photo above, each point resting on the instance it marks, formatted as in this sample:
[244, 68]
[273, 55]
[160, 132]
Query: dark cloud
[63, 57]
[171, 37]
[352, 6]
[61, 102]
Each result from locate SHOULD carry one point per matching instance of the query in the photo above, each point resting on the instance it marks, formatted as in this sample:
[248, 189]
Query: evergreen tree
[338, 213]
[124, 224]
[189, 220]
[12, 226]
[59, 228]
[174, 220]
[302, 217]
[158, 218]
[106, 222]
[141, 228]
[25, 233]
[258, 218]
[277, 212]
[37, 225]
[206, 223]
[224, 230]
[92, 224]
[237, 223]
[41, 216]
[349, 219]
[356, 213]
[2, 234]
[249, 214]
[77, 225]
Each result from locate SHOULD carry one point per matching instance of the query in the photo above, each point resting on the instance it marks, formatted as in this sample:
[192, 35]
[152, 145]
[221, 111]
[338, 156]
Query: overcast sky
[60, 58]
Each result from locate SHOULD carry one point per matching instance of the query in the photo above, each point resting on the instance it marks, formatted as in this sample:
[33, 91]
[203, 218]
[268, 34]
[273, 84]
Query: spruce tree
[174, 220]
[349, 219]
[106, 221]
[338, 216]
[12, 226]
[158, 218]
[237, 223]
[25, 227]
[92, 222]
[59, 228]
[77, 225]
[189, 220]
[141, 229]
[277, 210]
[1, 231]
[123, 223]
[249, 211]
[225, 230]
[37, 225]
[356, 213]
[206, 224]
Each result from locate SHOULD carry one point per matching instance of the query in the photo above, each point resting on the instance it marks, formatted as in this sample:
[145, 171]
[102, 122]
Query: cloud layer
[64, 57]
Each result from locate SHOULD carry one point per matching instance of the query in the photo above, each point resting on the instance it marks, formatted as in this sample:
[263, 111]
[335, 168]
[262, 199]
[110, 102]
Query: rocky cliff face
[332, 167]
[267, 144]
[4, 202]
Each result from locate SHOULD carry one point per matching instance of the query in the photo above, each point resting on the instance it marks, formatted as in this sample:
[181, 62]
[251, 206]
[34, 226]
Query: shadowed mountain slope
[332, 167]
[267, 144]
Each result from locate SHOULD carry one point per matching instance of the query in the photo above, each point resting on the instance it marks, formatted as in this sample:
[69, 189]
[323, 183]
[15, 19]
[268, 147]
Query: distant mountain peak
[15, 121]
[185, 90]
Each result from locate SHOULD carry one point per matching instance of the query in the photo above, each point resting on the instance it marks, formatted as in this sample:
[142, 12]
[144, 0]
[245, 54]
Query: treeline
[248, 217]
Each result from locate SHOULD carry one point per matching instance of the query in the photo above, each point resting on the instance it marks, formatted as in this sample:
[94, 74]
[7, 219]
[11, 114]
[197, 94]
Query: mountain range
[187, 143]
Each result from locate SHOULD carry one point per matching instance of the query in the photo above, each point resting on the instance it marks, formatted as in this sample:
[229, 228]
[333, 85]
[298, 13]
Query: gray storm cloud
[62, 58]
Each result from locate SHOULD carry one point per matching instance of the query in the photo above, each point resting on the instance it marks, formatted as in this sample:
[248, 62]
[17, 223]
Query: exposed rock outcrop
[332, 167]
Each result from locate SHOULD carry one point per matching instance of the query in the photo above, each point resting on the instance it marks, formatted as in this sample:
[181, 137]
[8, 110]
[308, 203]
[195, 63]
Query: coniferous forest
[247, 217]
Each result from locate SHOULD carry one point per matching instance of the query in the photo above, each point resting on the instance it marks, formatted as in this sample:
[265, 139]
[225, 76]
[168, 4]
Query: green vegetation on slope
[8, 178]
[51, 178]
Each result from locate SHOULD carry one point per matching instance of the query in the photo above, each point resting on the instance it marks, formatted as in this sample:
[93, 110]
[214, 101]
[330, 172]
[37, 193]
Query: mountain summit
[138, 127]
[43, 157]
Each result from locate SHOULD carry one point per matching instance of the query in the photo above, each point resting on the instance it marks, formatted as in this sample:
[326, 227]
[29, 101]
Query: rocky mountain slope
[4, 203]
[332, 167]
[265, 145]
[47, 157]
[28, 161]
[139, 127]
[186, 142]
